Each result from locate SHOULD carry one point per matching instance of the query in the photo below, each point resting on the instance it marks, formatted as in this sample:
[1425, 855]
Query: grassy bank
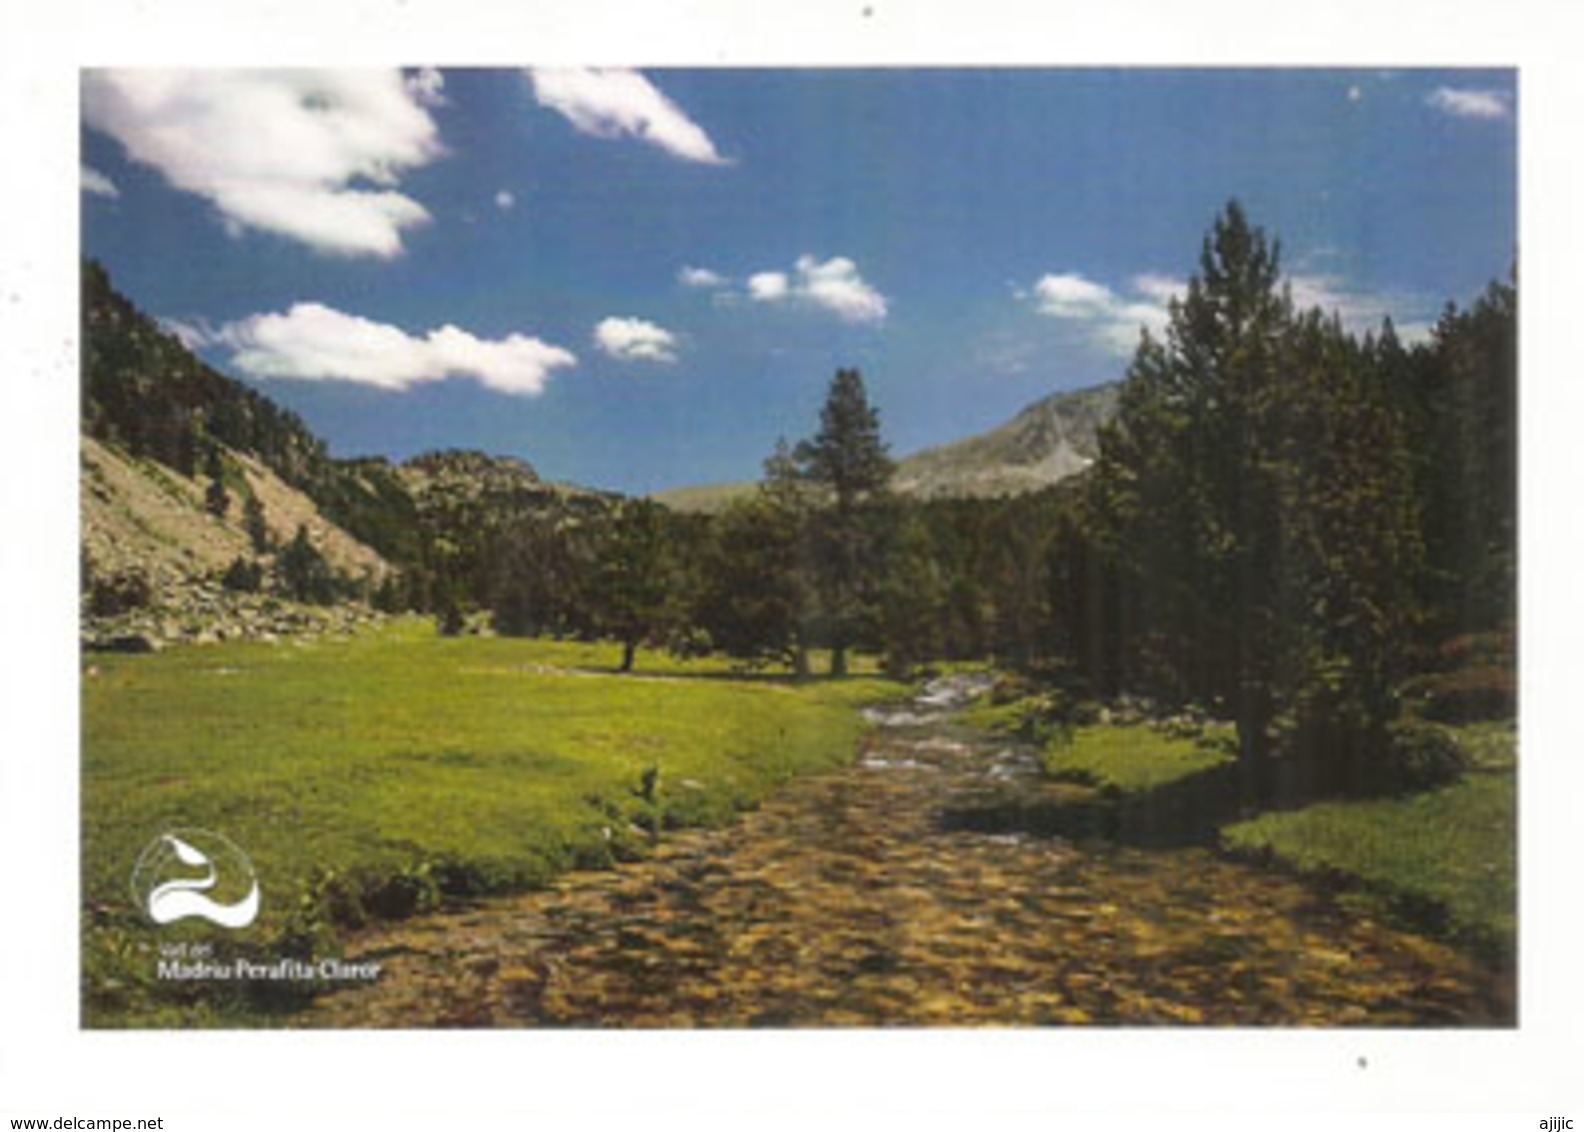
[1115, 758]
[1444, 859]
[373, 775]
[1130, 760]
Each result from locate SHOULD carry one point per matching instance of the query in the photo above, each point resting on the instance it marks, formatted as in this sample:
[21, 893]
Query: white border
[47, 1066]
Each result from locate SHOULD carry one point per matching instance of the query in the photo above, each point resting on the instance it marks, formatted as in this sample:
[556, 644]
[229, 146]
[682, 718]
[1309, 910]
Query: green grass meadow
[1446, 857]
[375, 773]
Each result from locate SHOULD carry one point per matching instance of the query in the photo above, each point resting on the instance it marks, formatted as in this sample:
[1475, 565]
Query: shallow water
[851, 899]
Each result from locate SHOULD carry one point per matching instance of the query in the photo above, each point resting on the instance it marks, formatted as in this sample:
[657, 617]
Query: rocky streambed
[898, 892]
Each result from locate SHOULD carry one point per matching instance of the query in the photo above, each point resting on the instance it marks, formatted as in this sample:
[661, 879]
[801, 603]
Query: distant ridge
[1048, 441]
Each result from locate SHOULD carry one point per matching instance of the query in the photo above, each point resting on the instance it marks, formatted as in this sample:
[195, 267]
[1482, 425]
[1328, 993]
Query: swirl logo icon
[194, 873]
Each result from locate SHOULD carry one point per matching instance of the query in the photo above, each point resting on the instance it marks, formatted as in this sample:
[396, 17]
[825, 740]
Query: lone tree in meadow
[849, 462]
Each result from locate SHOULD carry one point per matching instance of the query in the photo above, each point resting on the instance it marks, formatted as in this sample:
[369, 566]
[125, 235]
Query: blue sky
[640, 280]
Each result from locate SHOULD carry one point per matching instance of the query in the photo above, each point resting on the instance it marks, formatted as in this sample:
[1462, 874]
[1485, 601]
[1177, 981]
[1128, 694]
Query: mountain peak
[1046, 442]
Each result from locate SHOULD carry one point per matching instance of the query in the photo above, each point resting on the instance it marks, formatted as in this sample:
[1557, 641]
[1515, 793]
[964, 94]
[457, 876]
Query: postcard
[756, 547]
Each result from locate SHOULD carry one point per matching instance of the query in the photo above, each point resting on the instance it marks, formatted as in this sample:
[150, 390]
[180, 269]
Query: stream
[893, 893]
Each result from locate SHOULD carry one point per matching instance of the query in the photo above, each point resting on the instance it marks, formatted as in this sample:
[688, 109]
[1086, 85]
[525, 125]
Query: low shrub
[243, 576]
[119, 593]
[402, 894]
[1421, 756]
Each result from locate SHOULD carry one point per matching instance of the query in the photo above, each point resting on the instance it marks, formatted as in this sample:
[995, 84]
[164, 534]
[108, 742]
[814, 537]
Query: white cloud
[1160, 289]
[312, 342]
[427, 85]
[1469, 103]
[701, 277]
[834, 285]
[194, 335]
[1113, 320]
[634, 340]
[837, 286]
[1122, 328]
[315, 156]
[1413, 333]
[1072, 296]
[1360, 310]
[505, 200]
[97, 183]
[768, 286]
[613, 102]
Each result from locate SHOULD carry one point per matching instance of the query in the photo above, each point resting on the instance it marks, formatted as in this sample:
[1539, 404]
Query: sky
[641, 279]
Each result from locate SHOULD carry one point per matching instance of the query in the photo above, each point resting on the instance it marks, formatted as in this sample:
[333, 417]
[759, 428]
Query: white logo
[165, 886]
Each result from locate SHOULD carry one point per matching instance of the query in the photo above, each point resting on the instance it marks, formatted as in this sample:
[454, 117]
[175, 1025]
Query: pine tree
[243, 576]
[186, 461]
[1467, 440]
[849, 463]
[757, 597]
[632, 587]
[257, 528]
[1256, 500]
[912, 599]
[304, 573]
[529, 580]
[754, 597]
[847, 456]
[1188, 464]
[1348, 587]
[216, 499]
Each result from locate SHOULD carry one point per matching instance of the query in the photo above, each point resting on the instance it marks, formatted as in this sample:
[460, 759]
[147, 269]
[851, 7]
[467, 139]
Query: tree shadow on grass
[752, 677]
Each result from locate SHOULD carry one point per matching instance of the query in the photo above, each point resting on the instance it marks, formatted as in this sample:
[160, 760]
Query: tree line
[1287, 523]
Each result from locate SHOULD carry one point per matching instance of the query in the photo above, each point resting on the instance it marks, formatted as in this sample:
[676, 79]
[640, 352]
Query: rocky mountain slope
[137, 514]
[206, 509]
[1047, 442]
[290, 539]
[156, 556]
